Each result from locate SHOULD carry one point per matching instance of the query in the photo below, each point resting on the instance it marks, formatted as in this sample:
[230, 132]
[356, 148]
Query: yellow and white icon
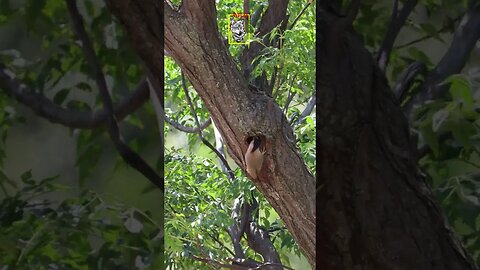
[238, 28]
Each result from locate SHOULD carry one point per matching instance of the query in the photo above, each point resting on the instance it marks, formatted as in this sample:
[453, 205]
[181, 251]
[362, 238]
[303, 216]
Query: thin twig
[396, 24]
[299, 15]
[130, 157]
[200, 133]
[156, 93]
[464, 39]
[420, 39]
[186, 129]
[275, 91]
[220, 147]
[221, 244]
[290, 95]
[271, 85]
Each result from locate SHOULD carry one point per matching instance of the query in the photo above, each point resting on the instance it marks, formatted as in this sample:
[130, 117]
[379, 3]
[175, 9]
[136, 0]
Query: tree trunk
[375, 209]
[193, 40]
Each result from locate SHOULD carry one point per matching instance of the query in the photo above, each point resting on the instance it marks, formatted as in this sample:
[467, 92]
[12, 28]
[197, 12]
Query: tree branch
[233, 107]
[257, 237]
[246, 6]
[358, 116]
[299, 15]
[200, 133]
[215, 238]
[235, 230]
[241, 265]
[420, 39]
[130, 157]
[143, 20]
[54, 113]
[275, 14]
[216, 264]
[271, 85]
[220, 147]
[202, 13]
[186, 129]
[277, 88]
[289, 96]
[406, 79]
[396, 23]
[157, 102]
[453, 61]
[308, 109]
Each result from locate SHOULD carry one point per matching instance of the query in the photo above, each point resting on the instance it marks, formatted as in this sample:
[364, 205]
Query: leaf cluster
[84, 232]
[449, 130]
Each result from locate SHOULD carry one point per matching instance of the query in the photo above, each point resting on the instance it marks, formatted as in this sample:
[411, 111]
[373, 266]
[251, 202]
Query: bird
[254, 156]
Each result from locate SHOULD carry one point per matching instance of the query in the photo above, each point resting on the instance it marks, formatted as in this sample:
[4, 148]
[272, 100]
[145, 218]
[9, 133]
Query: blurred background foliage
[67, 200]
[199, 197]
[448, 130]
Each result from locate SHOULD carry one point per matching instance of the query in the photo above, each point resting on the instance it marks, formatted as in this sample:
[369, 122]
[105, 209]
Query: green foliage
[298, 46]
[43, 225]
[50, 61]
[451, 129]
[199, 197]
[306, 140]
[296, 62]
[8, 117]
[372, 22]
[177, 108]
[448, 128]
[89, 149]
[84, 232]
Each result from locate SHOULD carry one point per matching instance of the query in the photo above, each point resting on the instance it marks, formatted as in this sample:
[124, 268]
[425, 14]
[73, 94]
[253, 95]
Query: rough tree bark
[375, 209]
[193, 40]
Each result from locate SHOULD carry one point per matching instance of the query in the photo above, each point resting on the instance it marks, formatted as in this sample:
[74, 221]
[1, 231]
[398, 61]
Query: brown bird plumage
[254, 157]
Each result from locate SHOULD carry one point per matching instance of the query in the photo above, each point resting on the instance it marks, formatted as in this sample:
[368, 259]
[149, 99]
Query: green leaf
[462, 228]
[462, 131]
[27, 177]
[438, 119]
[472, 199]
[90, 8]
[135, 121]
[430, 30]
[85, 86]
[461, 90]
[418, 55]
[60, 96]
[111, 41]
[430, 139]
